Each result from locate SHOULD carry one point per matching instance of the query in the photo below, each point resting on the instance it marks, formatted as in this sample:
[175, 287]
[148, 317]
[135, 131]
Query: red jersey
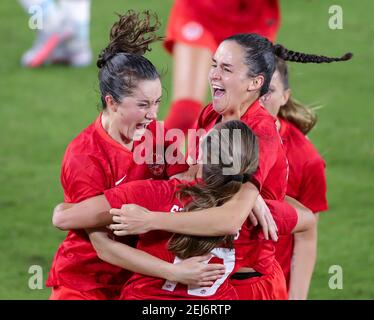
[306, 179]
[250, 248]
[208, 22]
[306, 182]
[285, 216]
[271, 175]
[93, 162]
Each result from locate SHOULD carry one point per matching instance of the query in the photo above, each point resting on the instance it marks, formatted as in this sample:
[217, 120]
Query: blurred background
[43, 109]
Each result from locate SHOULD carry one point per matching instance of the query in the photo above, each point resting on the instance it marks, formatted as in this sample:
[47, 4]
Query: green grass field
[42, 110]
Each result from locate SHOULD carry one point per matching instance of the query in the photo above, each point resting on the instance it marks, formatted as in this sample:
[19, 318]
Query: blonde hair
[217, 187]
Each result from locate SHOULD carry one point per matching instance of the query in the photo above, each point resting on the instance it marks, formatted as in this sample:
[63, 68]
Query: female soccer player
[241, 72]
[195, 29]
[306, 179]
[248, 247]
[101, 157]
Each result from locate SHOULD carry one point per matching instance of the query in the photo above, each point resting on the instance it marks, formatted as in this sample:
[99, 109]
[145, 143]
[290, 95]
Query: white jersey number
[228, 257]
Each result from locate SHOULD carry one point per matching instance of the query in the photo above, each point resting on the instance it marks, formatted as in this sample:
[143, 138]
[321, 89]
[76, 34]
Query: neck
[113, 132]
[237, 113]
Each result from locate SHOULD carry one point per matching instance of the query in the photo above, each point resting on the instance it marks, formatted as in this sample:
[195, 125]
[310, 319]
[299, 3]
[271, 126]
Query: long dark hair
[122, 63]
[260, 56]
[219, 145]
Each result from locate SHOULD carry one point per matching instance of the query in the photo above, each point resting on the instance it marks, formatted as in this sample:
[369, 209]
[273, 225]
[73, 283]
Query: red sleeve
[119, 195]
[206, 117]
[173, 169]
[151, 194]
[82, 177]
[313, 186]
[269, 141]
[285, 216]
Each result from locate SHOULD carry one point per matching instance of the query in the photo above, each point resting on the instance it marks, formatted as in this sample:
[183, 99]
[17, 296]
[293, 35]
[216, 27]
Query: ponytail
[301, 116]
[260, 54]
[294, 56]
[132, 33]
[121, 64]
[293, 111]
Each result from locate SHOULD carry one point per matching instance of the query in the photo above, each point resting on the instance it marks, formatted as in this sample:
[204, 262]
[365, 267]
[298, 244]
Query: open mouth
[218, 92]
[142, 126]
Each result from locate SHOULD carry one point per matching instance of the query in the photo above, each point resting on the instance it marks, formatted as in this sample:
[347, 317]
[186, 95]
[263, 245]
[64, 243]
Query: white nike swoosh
[120, 180]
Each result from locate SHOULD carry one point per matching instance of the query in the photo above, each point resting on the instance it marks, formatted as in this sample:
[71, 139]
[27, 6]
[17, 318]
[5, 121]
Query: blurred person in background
[195, 29]
[306, 178]
[64, 33]
[101, 157]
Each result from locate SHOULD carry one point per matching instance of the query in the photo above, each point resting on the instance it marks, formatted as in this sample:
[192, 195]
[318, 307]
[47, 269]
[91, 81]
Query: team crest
[192, 31]
[157, 168]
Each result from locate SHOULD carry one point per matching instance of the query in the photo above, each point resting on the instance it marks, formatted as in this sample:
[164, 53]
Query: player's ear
[285, 96]
[110, 103]
[255, 83]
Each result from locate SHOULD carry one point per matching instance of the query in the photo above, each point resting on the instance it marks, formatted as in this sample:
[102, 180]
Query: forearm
[302, 263]
[306, 220]
[129, 258]
[226, 219]
[90, 213]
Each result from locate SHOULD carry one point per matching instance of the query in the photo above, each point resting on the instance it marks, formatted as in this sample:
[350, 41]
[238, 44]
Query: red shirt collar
[283, 126]
[252, 109]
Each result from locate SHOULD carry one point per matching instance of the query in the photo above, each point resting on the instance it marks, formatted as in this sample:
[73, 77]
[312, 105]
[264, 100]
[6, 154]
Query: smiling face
[129, 118]
[232, 89]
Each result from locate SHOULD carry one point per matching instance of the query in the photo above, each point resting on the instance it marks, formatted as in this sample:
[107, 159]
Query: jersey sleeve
[313, 186]
[285, 216]
[150, 194]
[269, 140]
[82, 177]
[205, 118]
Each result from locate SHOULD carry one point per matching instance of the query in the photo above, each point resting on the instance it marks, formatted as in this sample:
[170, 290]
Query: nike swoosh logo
[120, 180]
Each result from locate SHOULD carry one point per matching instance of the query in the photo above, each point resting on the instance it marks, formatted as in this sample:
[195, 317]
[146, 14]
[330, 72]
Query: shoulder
[83, 142]
[262, 123]
[153, 185]
[300, 146]
[207, 116]
[290, 132]
[153, 194]
[84, 150]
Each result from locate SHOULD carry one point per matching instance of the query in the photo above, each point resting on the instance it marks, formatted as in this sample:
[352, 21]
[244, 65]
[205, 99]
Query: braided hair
[294, 56]
[260, 53]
